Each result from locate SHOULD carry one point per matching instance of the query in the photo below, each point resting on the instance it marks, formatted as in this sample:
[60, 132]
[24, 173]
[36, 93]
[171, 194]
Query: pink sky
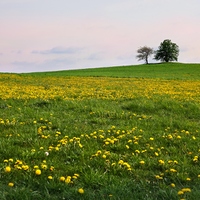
[56, 35]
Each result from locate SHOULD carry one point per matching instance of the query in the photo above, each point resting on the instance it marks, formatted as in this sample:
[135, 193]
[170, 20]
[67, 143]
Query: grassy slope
[74, 118]
[163, 70]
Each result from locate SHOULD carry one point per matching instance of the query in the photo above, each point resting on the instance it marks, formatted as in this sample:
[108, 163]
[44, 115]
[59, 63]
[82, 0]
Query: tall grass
[97, 139]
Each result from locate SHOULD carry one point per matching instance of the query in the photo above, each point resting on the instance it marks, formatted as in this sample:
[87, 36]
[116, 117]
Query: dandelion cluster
[71, 88]
[56, 147]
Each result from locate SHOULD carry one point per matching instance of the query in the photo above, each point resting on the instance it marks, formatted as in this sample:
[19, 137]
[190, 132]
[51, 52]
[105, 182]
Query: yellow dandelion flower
[80, 145]
[162, 162]
[186, 190]
[156, 154]
[180, 192]
[10, 184]
[173, 185]
[8, 169]
[77, 175]
[142, 162]
[52, 168]
[68, 179]
[104, 156]
[175, 162]
[38, 172]
[80, 190]
[25, 167]
[173, 170]
[62, 178]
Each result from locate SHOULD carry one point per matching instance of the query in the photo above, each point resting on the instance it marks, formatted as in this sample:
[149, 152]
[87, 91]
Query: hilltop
[185, 71]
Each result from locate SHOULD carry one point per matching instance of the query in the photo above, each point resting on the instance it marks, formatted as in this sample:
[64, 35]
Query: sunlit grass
[99, 138]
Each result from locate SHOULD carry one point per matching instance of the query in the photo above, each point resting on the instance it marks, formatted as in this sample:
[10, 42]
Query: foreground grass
[116, 142]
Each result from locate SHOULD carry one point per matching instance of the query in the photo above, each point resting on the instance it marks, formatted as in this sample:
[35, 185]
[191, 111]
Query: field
[127, 132]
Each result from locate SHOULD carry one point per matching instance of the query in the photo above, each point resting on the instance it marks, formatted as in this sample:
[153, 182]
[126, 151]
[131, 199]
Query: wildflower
[137, 151]
[77, 175]
[173, 170]
[156, 154]
[186, 190]
[80, 145]
[170, 161]
[142, 162]
[180, 192]
[68, 179]
[158, 177]
[52, 168]
[104, 156]
[50, 177]
[120, 162]
[80, 190]
[62, 178]
[8, 169]
[44, 166]
[162, 162]
[10, 184]
[188, 179]
[46, 153]
[107, 143]
[38, 172]
[25, 167]
[175, 162]
[173, 185]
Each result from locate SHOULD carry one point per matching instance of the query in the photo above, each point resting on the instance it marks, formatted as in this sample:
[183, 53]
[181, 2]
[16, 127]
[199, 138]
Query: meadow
[129, 132]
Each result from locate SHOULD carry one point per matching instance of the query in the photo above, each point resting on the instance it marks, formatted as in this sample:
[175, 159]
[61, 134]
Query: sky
[51, 35]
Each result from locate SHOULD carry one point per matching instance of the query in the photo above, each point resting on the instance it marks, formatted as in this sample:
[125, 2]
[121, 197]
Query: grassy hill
[115, 133]
[162, 70]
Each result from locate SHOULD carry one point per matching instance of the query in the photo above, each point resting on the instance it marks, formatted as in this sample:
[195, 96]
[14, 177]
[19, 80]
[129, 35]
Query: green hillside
[129, 132]
[162, 70]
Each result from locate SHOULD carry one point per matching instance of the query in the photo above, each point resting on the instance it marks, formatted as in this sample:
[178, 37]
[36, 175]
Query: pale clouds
[58, 50]
[53, 35]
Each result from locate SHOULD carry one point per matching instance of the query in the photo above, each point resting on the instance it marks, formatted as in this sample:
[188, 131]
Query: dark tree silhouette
[167, 51]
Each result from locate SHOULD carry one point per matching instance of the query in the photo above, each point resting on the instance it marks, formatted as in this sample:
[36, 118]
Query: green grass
[104, 141]
[161, 70]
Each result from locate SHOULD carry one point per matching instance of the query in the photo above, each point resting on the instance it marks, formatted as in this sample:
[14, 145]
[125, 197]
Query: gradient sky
[46, 35]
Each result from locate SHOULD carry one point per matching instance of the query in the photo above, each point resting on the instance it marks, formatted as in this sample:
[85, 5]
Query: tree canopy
[167, 51]
[144, 53]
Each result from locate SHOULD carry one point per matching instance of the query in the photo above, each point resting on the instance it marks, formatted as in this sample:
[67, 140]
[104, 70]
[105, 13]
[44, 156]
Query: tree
[144, 53]
[167, 51]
